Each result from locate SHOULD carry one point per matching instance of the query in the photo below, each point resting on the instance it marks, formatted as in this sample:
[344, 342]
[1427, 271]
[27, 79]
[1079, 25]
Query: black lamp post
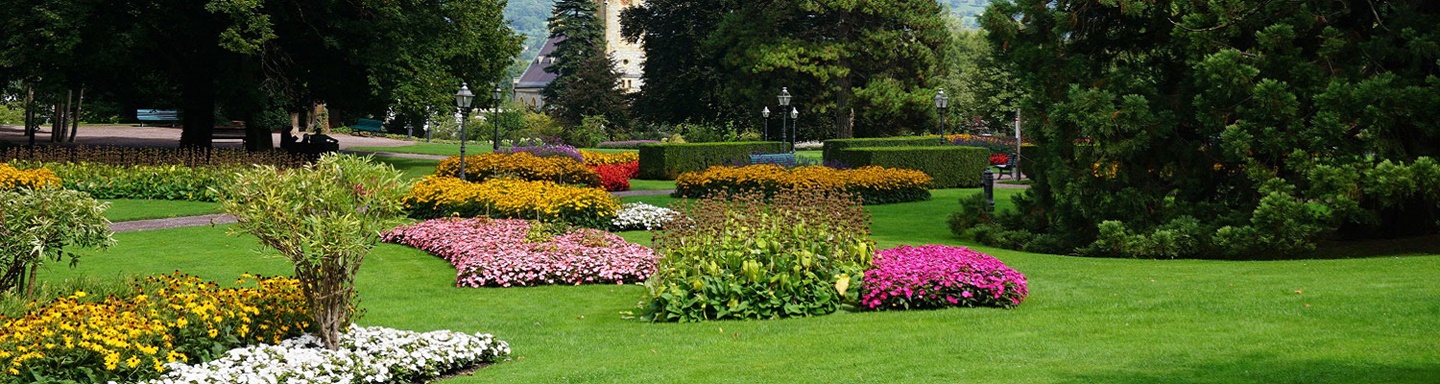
[794, 121]
[495, 116]
[784, 102]
[462, 102]
[942, 103]
[766, 113]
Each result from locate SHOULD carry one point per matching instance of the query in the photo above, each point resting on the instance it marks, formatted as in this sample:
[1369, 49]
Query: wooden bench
[782, 159]
[157, 116]
[1008, 168]
[368, 125]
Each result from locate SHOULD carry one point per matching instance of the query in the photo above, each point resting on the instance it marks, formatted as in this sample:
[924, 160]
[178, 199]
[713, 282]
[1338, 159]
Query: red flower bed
[616, 177]
[999, 159]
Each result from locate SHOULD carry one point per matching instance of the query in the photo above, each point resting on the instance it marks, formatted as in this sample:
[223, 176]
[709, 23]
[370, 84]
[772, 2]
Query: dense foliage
[668, 161]
[520, 165]
[938, 276]
[159, 182]
[748, 257]
[511, 252]
[871, 185]
[441, 196]
[951, 167]
[164, 319]
[833, 147]
[323, 218]
[1224, 129]
[46, 224]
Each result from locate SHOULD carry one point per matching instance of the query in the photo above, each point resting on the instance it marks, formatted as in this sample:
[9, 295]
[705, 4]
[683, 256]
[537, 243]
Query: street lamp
[942, 103]
[784, 102]
[495, 116]
[766, 113]
[462, 103]
[794, 120]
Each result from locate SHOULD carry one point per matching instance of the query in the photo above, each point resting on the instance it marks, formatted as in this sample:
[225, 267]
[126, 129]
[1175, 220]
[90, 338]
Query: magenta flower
[935, 276]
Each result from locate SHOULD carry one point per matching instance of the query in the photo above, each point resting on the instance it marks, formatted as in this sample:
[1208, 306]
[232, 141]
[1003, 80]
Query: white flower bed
[366, 355]
[641, 216]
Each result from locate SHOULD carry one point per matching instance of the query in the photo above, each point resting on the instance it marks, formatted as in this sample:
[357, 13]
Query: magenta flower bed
[937, 276]
[495, 253]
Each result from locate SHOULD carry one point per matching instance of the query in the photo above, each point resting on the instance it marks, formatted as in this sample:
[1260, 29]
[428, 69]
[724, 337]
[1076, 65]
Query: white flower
[641, 216]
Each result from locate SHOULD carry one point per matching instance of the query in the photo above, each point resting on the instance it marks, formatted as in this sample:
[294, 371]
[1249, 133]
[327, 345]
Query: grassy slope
[1087, 320]
[136, 209]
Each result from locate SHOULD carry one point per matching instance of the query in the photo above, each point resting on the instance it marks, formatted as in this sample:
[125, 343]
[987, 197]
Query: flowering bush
[999, 159]
[874, 185]
[935, 276]
[438, 196]
[367, 355]
[633, 216]
[597, 158]
[995, 144]
[547, 150]
[520, 165]
[749, 257]
[13, 178]
[616, 177]
[515, 252]
[169, 318]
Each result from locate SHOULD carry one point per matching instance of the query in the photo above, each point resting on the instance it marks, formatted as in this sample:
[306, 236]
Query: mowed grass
[138, 209]
[1087, 320]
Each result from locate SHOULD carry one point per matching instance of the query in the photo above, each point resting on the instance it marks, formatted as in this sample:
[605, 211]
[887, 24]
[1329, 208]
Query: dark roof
[535, 75]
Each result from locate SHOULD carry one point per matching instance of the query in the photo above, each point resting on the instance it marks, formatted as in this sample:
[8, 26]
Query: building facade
[628, 57]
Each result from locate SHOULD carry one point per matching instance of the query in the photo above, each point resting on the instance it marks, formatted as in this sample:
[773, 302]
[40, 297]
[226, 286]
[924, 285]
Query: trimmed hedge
[950, 166]
[668, 161]
[834, 146]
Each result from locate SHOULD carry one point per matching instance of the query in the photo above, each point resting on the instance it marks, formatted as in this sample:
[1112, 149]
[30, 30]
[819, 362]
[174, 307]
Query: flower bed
[439, 196]
[598, 158]
[13, 178]
[873, 185]
[366, 355]
[169, 318]
[520, 165]
[936, 276]
[999, 159]
[627, 144]
[512, 252]
[616, 177]
[633, 216]
[547, 150]
[129, 156]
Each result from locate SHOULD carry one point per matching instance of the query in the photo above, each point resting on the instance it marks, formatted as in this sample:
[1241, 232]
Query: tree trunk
[32, 127]
[75, 118]
[199, 110]
[257, 137]
[844, 113]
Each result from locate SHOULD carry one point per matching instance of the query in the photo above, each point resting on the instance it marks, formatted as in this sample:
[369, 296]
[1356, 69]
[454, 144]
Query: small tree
[41, 224]
[324, 218]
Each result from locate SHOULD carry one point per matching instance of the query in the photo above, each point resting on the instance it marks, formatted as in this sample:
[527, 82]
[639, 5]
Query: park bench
[782, 159]
[368, 125]
[168, 116]
[1008, 168]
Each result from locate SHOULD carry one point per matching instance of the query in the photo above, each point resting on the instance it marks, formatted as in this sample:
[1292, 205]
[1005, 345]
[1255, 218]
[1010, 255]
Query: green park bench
[154, 116]
[782, 159]
[368, 125]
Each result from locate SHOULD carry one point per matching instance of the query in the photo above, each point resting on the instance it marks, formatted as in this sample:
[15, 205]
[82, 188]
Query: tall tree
[587, 83]
[683, 76]
[577, 22]
[1223, 129]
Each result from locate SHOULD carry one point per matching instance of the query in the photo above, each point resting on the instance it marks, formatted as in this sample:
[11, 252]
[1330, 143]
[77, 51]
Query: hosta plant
[935, 276]
[511, 252]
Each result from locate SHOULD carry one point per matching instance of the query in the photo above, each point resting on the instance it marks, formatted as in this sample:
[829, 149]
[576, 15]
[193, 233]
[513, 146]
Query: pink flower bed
[488, 252]
[936, 276]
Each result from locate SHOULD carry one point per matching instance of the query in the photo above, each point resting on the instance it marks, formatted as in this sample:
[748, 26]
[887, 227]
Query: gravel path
[174, 222]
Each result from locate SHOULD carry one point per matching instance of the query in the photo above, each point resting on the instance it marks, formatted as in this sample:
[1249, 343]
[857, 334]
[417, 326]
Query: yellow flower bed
[440, 196]
[597, 158]
[12, 178]
[520, 165]
[874, 185]
[169, 318]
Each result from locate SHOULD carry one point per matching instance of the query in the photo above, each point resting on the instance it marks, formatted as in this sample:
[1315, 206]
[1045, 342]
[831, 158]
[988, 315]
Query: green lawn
[651, 185]
[1087, 320]
[410, 168]
[135, 209]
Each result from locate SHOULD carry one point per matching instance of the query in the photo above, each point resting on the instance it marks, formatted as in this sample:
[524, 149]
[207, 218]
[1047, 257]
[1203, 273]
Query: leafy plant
[744, 256]
[46, 224]
[324, 218]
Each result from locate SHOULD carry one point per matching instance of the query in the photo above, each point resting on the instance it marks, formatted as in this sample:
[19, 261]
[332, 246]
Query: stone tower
[628, 56]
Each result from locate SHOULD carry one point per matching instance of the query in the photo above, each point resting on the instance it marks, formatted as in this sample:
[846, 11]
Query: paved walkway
[135, 136]
[174, 222]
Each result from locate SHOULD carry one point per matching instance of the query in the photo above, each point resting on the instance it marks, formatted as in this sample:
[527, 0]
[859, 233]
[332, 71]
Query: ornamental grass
[15, 178]
[937, 276]
[511, 252]
[598, 158]
[520, 165]
[873, 185]
[442, 196]
[168, 318]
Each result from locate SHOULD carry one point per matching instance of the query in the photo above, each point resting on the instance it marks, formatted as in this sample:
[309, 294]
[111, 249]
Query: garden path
[133, 136]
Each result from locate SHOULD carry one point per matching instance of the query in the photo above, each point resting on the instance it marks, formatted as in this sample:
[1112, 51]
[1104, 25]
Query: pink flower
[932, 276]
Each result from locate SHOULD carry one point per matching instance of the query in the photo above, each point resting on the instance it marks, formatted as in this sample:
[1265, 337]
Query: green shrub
[951, 167]
[834, 146]
[1029, 153]
[46, 224]
[799, 253]
[161, 182]
[668, 161]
